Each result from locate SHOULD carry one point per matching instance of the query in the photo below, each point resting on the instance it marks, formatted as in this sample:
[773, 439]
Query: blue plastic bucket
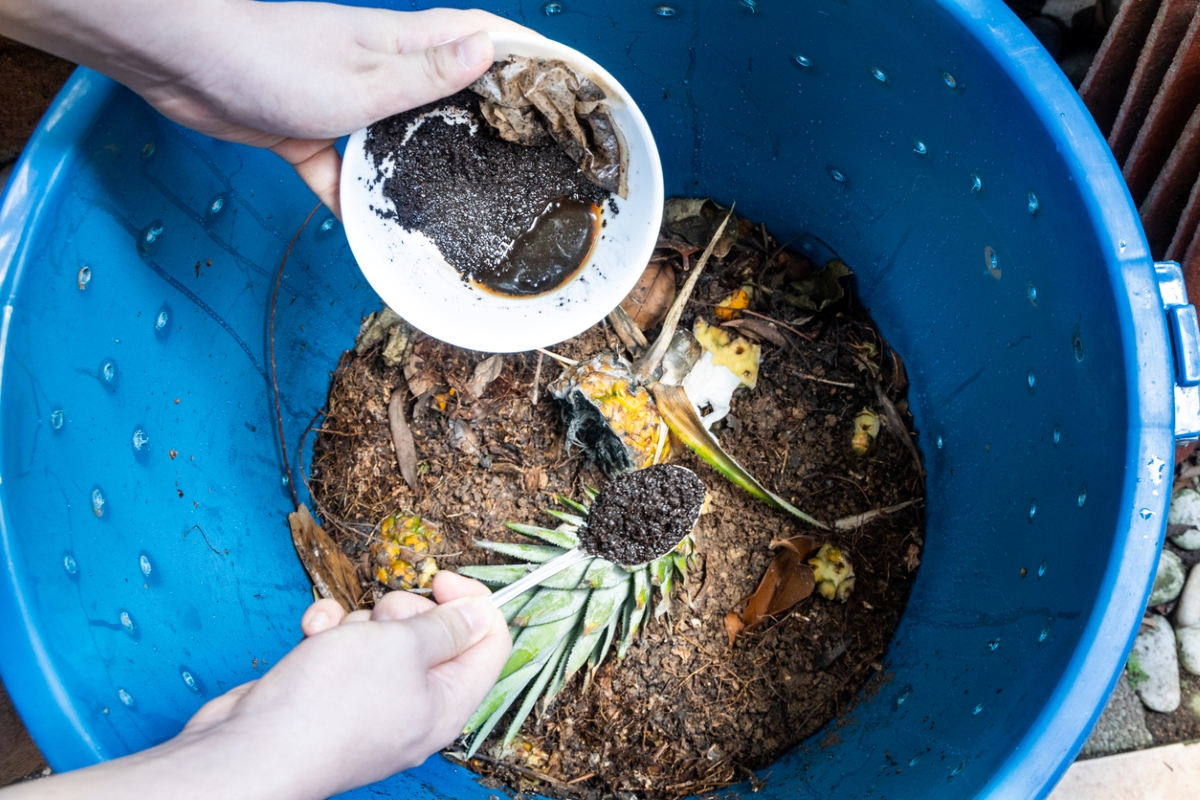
[933, 145]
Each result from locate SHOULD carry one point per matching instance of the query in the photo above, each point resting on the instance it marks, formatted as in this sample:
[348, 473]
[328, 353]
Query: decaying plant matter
[680, 711]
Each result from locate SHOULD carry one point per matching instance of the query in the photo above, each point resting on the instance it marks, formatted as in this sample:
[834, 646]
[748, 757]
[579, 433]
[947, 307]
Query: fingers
[466, 680]
[318, 164]
[395, 606]
[450, 629]
[321, 616]
[449, 586]
[408, 80]
[405, 32]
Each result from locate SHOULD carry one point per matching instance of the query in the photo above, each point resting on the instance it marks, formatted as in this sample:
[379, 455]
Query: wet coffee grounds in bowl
[449, 176]
[643, 515]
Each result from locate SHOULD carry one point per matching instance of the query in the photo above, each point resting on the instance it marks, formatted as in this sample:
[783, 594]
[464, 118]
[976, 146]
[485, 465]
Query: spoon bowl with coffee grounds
[486, 231]
[638, 517]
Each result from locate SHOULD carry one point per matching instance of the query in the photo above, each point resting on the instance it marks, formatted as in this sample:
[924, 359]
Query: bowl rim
[446, 308]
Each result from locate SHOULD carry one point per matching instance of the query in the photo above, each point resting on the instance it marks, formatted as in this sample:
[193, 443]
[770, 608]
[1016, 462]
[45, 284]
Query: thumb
[444, 632]
[414, 79]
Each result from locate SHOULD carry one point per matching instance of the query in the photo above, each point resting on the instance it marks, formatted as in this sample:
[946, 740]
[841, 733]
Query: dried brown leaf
[402, 439]
[651, 297]
[486, 371]
[758, 329]
[331, 572]
[787, 581]
[419, 380]
[733, 626]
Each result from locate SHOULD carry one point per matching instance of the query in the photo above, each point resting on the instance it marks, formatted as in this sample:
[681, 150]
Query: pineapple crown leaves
[571, 620]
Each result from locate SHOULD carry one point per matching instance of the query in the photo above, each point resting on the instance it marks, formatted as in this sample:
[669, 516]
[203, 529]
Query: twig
[537, 378]
[898, 427]
[287, 465]
[570, 362]
[206, 541]
[580, 779]
[844, 385]
[808, 337]
[858, 520]
[650, 360]
[529, 773]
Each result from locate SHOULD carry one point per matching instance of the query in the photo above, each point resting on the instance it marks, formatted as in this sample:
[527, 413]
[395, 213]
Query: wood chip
[912, 558]
[332, 574]
[402, 439]
[463, 438]
[627, 330]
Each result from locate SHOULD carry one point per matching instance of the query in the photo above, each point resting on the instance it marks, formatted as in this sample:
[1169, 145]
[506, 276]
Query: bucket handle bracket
[1185, 344]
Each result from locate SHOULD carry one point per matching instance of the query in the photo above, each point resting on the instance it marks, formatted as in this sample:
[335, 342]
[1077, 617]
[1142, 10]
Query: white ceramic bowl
[409, 273]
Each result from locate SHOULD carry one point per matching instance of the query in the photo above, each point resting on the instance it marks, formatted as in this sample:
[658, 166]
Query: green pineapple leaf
[571, 620]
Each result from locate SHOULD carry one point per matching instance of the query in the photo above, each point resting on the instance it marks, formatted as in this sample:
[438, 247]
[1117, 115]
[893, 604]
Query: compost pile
[723, 683]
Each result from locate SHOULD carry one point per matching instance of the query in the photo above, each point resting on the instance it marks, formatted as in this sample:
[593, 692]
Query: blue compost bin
[933, 145]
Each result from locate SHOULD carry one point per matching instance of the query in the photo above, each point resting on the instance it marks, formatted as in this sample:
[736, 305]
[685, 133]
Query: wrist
[133, 41]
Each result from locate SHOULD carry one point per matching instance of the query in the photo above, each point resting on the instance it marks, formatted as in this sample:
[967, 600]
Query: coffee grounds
[452, 178]
[643, 515]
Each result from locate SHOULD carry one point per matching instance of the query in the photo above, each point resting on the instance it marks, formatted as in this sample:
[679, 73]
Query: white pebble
[1189, 649]
[1154, 655]
[1187, 612]
[1168, 582]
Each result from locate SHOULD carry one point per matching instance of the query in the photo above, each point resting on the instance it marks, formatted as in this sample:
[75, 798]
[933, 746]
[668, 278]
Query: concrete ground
[1171, 772]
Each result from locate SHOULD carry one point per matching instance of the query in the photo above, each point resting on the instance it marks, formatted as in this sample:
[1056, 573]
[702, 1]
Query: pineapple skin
[403, 556]
[606, 381]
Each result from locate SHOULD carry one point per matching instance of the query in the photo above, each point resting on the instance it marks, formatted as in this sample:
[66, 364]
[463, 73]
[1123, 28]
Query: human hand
[291, 77]
[411, 674]
[351, 704]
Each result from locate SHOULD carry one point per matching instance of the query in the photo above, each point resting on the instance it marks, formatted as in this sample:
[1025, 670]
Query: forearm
[141, 43]
[213, 763]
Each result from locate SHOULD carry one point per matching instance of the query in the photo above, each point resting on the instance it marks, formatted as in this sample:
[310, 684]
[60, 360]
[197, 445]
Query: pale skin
[289, 77]
[366, 694]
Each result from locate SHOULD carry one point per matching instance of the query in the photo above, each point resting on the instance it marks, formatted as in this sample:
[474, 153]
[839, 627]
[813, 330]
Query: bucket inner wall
[143, 497]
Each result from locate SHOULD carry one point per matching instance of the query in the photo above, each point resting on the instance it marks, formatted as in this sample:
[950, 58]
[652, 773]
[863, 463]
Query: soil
[684, 712]
[643, 515]
[29, 80]
[475, 195]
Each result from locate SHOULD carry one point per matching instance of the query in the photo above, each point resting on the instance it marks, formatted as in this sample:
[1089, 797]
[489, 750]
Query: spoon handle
[546, 570]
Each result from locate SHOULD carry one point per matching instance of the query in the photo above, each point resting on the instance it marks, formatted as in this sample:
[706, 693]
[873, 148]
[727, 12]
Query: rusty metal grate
[1143, 90]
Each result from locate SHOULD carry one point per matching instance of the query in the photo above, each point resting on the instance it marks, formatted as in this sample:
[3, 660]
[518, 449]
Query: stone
[1187, 611]
[1185, 508]
[1185, 511]
[1121, 727]
[1188, 540]
[1168, 582]
[1189, 649]
[1154, 666]
[1193, 705]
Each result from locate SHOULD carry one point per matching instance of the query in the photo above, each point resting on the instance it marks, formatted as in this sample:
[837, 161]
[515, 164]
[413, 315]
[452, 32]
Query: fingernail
[474, 50]
[318, 620]
[478, 613]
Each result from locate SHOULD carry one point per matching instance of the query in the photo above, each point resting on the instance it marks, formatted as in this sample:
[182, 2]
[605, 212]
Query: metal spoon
[624, 485]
